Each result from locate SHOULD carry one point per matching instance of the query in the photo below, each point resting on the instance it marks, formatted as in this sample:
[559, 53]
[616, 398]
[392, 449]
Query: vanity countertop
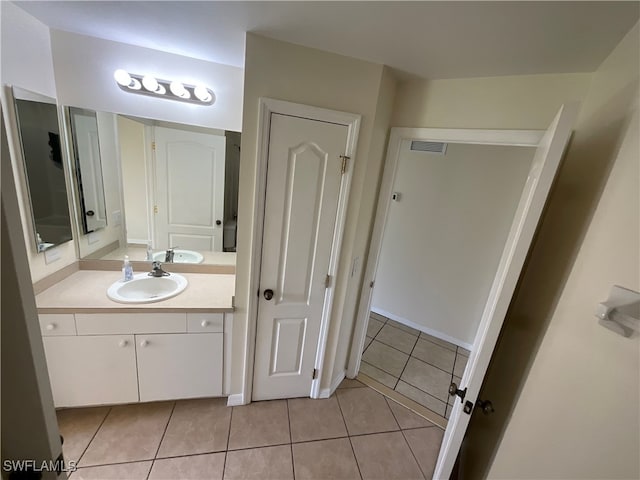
[85, 291]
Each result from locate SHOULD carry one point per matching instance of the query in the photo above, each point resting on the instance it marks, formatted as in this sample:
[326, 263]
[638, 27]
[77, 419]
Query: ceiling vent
[430, 147]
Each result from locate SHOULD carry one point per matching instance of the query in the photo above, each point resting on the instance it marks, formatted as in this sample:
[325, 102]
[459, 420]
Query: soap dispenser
[127, 269]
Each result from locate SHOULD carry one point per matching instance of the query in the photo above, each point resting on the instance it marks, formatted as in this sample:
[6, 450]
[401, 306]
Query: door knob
[268, 294]
[90, 213]
[454, 390]
[486, 406]
[218, 222]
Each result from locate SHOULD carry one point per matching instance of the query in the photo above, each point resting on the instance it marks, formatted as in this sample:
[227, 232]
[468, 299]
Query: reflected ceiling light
[155, 87]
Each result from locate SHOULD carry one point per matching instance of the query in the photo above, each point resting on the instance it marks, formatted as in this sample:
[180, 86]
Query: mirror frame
[10, 94]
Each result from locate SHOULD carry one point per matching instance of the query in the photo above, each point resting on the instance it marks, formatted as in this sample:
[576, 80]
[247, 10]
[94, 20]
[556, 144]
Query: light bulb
[122, 77]
[202, 93]
[178, 90]
[150, 83]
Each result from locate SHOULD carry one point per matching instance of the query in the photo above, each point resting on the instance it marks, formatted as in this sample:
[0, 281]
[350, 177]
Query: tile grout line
[406, 363]
[93, 436]
[412, 453]
[173, 407]
[391, 410]
[349, 436]
[226, 451]
[293, 466]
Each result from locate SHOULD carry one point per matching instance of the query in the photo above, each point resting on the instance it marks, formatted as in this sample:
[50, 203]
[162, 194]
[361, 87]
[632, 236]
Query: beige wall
[575, 411]
[298, 74]
[134, 174]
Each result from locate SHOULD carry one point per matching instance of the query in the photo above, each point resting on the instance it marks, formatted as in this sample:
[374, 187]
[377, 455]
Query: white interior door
[88, 146]
[304, 173]
[189, 190]
[543, 170]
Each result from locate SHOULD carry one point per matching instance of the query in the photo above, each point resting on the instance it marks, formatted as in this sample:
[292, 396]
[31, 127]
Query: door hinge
[153, 145]
[314, 375]
[371, 283]
[155, 209]
[345, 160]
[327, 281]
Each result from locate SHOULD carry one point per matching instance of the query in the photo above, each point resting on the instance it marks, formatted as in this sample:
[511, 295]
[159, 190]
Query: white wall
[26, 63]
[111, 177]
[429, 275]
[134, 174]
[290, 72]
[577, 406]
[84, 69]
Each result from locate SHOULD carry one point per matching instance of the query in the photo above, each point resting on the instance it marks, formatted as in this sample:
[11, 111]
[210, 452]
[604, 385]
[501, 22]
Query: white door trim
[521, 138]
[267, 107]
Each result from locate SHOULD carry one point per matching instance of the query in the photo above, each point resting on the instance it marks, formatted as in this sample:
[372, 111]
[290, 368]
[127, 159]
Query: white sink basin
[146, 289]
[180, 256]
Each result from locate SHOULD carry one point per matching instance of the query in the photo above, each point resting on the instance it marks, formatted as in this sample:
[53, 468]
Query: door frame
[515, 138]
[267, 107]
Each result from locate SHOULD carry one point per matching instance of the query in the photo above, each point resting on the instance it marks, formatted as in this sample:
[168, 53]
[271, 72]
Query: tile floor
[355, 434]
[414, 364]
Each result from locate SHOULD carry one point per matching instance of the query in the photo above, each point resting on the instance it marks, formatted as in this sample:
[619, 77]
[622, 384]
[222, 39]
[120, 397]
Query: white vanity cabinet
[108, 358]
[91, 370]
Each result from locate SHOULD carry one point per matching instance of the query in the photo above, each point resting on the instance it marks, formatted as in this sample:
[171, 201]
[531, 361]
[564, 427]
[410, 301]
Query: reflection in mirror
[179, 189]
[88, 169]
[39, 132]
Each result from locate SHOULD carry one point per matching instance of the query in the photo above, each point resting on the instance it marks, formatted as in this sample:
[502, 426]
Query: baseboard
[235, 400]
[422, 328]
[327, 392]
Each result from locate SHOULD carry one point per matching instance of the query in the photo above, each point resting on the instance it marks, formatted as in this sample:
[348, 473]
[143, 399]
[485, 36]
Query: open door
[543, 170]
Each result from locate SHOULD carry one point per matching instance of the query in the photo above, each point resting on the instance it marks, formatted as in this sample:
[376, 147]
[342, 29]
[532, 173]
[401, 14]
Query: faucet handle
[156, 264]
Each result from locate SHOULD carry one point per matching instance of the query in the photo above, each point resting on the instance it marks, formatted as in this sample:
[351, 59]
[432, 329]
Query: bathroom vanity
[102, 352]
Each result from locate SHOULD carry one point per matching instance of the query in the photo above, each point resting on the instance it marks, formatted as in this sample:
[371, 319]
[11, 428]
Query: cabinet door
[174, 366]
[92, 370]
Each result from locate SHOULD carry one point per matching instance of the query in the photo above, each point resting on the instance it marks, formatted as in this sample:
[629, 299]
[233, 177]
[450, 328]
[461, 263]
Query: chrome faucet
[168, 256]
[157, 271]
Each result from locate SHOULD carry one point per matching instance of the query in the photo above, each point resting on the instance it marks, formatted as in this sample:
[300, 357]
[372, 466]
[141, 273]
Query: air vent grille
[431, 147]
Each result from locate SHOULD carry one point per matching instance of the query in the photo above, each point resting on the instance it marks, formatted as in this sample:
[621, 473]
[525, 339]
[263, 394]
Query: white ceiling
[427, 39]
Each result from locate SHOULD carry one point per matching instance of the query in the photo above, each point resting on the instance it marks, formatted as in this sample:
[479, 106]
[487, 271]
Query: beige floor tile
[425, 445]
[378, 375]
[78, 426]
[367, 342]
[325, 459]
[403, 327]
[129, 433]
[260, 464]
[427, 378]
[406, 418]
[385, 456]
[378, 317]
[130, 471]
[461, 364]
[442, 343]
[417, 395]
[259, 424]
[397, 338]
[435, 354]
[351, 383]
[194, 467]
[312, 419]
[385, 358]
[374, 327]
[197, 426]
[365, 411]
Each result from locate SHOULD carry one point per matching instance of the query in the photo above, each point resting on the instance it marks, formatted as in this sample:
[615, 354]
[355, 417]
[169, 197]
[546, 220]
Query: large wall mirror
[177, 188]
[39, 132]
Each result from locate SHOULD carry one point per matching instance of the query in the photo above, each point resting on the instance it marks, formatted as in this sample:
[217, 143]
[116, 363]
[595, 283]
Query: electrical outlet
[51, 255]
[117, 217]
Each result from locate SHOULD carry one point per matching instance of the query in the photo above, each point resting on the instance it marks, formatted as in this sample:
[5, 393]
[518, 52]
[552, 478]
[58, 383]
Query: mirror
[39, 132]
[177, 188]
[88, 169]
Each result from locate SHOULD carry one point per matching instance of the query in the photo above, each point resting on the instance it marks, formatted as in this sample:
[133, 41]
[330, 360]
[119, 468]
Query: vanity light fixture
[155, 87]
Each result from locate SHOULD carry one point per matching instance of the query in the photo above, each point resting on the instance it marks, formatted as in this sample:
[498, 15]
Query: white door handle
[51, 326]
[205, 323]
[123, 343]
[144, 343]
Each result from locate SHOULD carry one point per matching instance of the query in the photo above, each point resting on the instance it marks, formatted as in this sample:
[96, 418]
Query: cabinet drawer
[205, 322]
[53, 324]
[124, 323]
